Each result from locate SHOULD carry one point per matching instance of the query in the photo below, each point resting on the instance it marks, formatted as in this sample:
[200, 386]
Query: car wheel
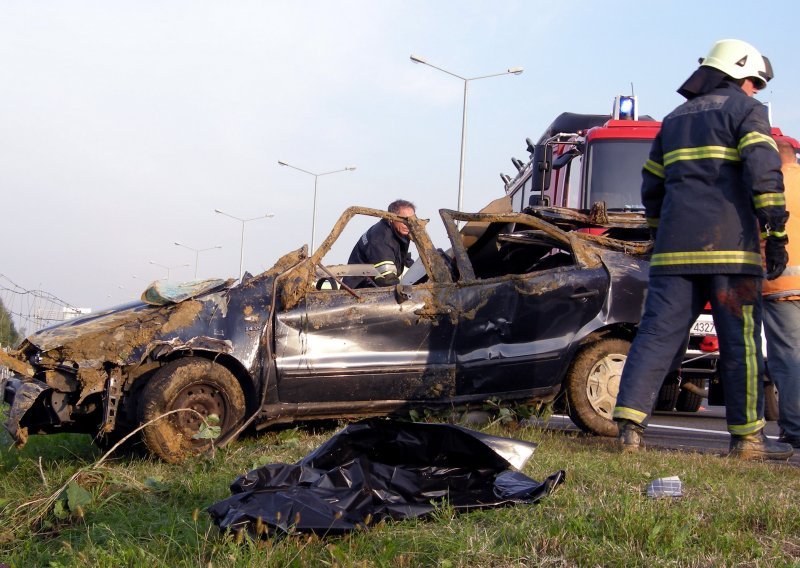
[771, 411]
[592, 385]
[192, 383]
[689, 401]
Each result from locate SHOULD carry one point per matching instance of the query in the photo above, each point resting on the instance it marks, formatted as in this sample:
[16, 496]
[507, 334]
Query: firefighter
[782, 311]
[384, 246]
[711, 182]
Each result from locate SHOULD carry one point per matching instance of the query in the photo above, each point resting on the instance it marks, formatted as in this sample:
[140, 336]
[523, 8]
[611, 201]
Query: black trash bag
[380, 469]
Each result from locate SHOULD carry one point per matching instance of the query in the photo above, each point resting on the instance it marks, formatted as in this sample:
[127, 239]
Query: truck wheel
[193, 383]
[592, 385]
[689, 401]
[771, 411]
[668, 396]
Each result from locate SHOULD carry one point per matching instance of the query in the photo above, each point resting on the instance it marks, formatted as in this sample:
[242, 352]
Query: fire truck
[584, 173]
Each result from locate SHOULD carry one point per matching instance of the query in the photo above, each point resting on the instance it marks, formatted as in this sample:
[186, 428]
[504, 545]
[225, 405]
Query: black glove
[389, 279]
[776, 256]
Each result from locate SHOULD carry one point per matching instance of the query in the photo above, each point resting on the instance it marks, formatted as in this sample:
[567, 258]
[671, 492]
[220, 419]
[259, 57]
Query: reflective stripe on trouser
[673, 303]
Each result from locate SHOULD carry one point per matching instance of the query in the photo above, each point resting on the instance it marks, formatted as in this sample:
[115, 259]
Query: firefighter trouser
[673, 303]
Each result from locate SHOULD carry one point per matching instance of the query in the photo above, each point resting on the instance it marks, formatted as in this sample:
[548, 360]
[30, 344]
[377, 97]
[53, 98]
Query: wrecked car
[517, 310]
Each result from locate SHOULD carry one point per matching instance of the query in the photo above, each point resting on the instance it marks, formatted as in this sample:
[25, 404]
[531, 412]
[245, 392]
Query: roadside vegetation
[136, 511]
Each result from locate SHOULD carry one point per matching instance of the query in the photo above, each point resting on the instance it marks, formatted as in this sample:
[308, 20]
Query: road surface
[702, 431]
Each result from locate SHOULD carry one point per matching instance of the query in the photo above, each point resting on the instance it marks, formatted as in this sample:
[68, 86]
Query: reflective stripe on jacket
[788, 283]
[713, 176]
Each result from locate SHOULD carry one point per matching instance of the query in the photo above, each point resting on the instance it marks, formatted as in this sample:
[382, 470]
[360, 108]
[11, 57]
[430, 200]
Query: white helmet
[740, 60]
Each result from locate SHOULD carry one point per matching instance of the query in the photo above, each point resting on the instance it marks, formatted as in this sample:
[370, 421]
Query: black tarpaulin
[381, 469]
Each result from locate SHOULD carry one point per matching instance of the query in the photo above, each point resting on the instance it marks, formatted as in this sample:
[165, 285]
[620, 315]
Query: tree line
[9, 337]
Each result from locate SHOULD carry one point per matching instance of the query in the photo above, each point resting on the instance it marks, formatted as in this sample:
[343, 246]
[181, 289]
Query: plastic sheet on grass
[376, 470]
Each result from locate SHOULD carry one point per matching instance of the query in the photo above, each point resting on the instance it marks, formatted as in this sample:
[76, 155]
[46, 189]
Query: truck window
[615, 173]
[516, 199]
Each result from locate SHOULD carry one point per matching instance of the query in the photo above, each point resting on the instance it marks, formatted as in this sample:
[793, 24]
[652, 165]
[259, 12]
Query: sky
[125, 124]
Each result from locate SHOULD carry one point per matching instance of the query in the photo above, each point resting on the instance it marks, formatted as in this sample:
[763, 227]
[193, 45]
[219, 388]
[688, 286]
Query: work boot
[631, 436]
[793, 441]
[757, 446]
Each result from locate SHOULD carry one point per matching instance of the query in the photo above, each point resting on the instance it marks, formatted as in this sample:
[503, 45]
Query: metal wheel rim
[602, 386]
[205, 399]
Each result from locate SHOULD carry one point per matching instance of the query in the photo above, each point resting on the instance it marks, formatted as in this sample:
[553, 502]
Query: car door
[523, 296]
[381, 345]
[514, 332]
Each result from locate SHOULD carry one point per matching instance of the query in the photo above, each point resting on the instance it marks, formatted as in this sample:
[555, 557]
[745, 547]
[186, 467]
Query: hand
[776, 256]
[388, 279]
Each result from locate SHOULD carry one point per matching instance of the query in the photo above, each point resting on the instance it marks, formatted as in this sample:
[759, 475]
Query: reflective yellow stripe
[706, 257]
[769, 200]
[700, 153]
[629, 414]
[755, 138]
[386, 267]
[654, 168]
[652, 222]
[745, 429]
[751, 365]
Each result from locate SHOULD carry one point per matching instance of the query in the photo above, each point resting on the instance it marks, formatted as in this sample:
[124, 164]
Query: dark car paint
[300, 352]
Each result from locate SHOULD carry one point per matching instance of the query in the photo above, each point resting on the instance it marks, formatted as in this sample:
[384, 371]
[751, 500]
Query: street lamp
[243, 221]
[316, 176]
[509, 71]
[168, 268]
[196, 253]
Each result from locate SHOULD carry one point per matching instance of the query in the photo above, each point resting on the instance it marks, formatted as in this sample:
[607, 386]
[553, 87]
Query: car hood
[213, 315]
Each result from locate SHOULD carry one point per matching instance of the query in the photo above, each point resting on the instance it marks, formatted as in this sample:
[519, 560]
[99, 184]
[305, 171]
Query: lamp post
[509, 71]
[196, 253]
[168, 268]
[314, 206]
[243, 221]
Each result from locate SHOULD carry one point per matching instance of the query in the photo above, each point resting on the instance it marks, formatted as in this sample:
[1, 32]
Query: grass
[141, 512]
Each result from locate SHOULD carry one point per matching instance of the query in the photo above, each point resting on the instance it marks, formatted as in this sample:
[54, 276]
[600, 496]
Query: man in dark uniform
[384, 246]
[712, 183]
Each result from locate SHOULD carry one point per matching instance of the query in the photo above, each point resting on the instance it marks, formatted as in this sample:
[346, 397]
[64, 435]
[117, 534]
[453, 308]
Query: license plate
[703, 326]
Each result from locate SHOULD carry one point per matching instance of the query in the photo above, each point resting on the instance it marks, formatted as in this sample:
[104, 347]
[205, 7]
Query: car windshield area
[615, 174]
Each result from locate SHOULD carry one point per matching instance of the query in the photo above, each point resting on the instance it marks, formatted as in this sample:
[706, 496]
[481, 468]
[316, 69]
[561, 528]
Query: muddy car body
[517, 310]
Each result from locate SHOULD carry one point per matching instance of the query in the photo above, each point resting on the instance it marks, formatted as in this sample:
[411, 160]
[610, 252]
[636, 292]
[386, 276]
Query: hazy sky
[123, 125]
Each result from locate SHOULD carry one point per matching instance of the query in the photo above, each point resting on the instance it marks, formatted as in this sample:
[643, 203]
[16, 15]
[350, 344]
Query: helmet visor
[765, 75]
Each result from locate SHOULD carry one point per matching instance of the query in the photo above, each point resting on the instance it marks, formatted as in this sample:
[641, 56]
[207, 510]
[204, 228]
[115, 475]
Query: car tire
[689, 401]
[668, 396]
[592, 385]
[195, 383]
[771, 411]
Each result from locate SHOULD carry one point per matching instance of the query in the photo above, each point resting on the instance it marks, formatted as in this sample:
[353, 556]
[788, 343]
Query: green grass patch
[134, 511]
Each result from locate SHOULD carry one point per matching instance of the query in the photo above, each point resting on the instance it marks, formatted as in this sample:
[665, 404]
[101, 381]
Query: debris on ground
[377, 470]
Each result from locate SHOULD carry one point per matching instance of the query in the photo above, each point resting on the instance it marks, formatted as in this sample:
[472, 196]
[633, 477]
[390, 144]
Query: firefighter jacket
[788, 283]
[384, 249]
[713, 176]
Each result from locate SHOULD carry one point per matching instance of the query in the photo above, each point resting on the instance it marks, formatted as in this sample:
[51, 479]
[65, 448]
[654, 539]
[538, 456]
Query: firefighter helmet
[740, 60]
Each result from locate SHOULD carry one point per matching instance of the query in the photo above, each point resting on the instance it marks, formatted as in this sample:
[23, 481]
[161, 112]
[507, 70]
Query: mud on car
[518, 310]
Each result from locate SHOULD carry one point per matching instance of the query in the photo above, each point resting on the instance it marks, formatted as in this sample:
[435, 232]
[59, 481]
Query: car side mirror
[542, 167]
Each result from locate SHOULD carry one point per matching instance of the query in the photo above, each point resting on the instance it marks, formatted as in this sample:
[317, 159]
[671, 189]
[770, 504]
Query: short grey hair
[398, 204]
